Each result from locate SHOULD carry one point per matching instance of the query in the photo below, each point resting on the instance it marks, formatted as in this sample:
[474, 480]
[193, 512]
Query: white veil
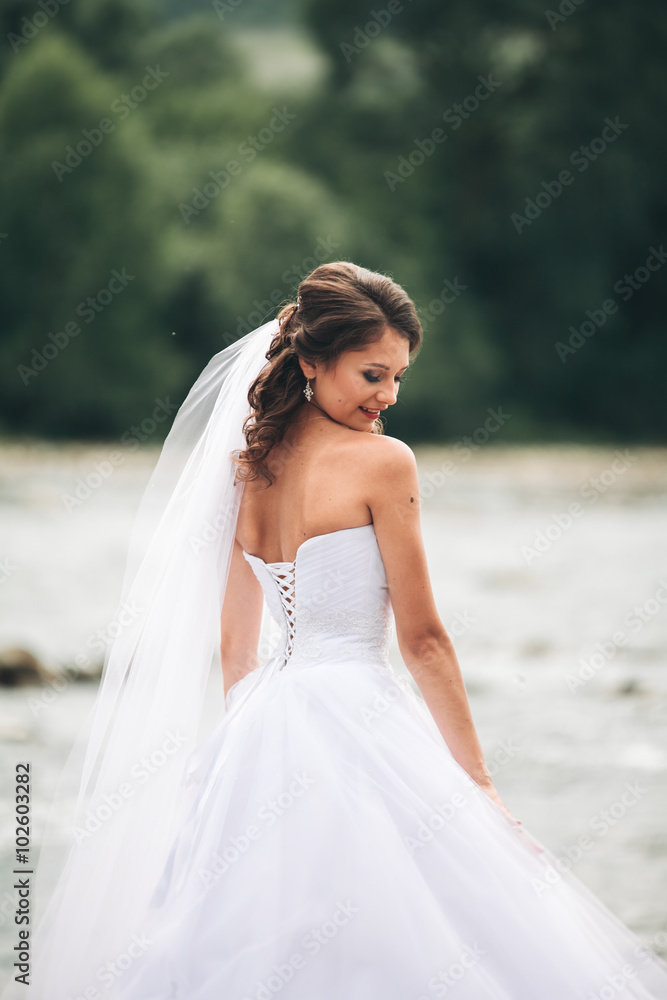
[128, 768]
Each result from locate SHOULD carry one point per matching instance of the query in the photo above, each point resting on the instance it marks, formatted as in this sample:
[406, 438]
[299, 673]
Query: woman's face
[362, 383]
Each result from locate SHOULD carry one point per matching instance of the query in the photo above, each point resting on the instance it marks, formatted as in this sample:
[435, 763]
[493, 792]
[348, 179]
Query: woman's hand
[487, 786]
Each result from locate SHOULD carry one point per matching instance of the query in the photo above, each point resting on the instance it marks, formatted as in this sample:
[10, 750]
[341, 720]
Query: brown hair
[339, 307]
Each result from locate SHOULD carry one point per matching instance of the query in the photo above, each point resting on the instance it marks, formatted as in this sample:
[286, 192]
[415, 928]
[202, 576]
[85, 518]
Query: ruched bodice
[332, 601]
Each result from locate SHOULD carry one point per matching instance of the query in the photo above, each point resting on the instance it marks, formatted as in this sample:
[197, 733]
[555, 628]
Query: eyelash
[376, 378]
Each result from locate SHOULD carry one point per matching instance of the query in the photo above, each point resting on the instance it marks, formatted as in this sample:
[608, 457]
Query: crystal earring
[307, 391]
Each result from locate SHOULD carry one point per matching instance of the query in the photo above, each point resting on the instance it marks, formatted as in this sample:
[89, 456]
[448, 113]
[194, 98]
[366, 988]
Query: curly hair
[340, 307]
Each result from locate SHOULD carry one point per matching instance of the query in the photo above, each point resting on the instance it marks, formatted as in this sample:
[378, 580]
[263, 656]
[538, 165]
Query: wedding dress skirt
[335, 850]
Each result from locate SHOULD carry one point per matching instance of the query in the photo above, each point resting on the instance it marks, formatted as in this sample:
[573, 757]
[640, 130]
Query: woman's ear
[309, 371]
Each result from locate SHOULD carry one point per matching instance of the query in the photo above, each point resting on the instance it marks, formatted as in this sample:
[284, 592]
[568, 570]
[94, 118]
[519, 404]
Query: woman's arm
[240, 621]
[425, 645]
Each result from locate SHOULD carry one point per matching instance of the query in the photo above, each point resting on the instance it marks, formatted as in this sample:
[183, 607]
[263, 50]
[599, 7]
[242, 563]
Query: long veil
[123, 787]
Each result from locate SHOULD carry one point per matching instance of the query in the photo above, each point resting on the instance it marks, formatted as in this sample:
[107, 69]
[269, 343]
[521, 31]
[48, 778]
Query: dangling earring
[307, 391]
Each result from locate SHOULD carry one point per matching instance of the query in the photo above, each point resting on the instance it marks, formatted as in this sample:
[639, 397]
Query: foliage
[510, 266]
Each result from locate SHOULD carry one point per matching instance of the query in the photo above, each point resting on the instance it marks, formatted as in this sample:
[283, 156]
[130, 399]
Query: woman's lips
[371, 414]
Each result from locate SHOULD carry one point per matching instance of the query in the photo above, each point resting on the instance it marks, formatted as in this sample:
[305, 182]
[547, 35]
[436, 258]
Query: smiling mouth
[373, 413]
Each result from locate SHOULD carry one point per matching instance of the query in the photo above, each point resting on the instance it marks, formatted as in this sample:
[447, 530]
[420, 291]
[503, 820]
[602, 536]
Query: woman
[335, 835]
[350, 342]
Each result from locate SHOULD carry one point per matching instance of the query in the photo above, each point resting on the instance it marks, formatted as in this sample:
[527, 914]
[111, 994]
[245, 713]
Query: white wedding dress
[333, 849]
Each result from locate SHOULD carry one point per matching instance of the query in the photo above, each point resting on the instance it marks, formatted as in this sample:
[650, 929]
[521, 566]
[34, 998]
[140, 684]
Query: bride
[335, 471]
[337, 834]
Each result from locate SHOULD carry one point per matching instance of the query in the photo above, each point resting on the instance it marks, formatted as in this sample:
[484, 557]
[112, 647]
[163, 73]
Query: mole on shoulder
[412, 499]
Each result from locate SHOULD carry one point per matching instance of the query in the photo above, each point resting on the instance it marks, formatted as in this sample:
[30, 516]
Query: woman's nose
[387, 395]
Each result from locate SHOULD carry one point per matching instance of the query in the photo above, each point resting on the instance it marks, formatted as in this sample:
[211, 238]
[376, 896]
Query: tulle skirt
[333, 849]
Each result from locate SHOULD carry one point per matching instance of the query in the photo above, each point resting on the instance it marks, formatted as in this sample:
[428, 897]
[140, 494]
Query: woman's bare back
[318, 486]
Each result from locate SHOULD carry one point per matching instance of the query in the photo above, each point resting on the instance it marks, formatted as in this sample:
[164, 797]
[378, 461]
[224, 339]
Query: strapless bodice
[331, 602]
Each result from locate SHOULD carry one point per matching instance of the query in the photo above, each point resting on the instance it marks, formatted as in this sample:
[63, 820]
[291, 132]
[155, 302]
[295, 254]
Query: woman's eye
[376, 378]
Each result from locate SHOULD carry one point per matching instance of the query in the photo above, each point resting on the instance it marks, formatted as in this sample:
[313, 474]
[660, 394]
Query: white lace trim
[369, 631]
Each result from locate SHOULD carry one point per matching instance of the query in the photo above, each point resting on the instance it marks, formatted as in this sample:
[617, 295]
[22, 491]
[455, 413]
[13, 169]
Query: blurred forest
[169, 171]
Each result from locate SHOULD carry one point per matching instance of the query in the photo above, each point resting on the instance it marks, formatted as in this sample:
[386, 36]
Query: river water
[549, 568]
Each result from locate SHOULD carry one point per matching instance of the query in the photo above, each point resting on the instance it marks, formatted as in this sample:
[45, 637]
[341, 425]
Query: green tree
[558, 79]
[69, 228]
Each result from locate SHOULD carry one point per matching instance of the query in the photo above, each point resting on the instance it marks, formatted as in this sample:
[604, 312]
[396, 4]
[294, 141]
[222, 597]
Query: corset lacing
[283, 574]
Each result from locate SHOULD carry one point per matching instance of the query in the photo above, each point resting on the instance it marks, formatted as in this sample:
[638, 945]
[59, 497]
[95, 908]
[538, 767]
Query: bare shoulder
[380, 450]
[392, 486]
[390, 465]
[386, 448]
